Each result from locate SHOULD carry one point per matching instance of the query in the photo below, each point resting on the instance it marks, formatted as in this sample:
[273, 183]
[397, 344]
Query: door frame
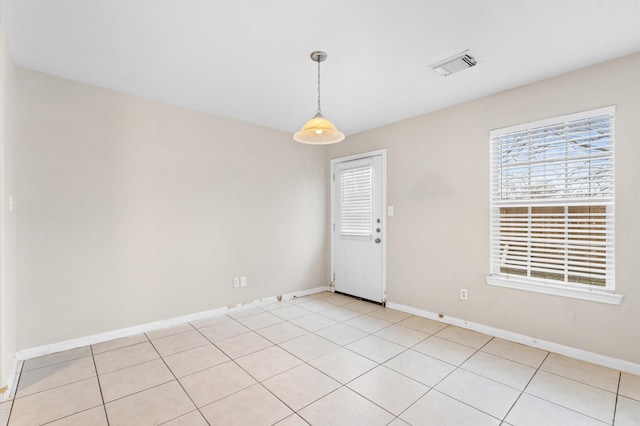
[332, 226]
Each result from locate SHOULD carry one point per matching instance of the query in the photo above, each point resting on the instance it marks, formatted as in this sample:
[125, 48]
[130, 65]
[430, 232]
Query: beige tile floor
[324, 359]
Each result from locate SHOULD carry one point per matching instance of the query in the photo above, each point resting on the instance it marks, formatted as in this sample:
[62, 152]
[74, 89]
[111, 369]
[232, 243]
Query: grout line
[420, 353]
[341, 385]
[615, 406]
[12, 402]
[580, 382]
[567, 408]
[513, 360]
[258, 382]
[430, 388]
[247, 372]
[185, 350]
[169, 335]
[307, 363]
[585, 383]
[187, 413]
[55, 363]
[128, 366]
[52, 388]
[181, 387]
[490, 378]
[567, 378]
[119, 347]
[104, 407]
[378, 365]
[362, 396]
[23, 373]
[279, 399]
[382, 365]
[456, 367]
[73, 414]
[525, 387]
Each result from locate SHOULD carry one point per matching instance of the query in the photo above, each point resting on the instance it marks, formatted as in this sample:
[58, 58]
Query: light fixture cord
[318, 111]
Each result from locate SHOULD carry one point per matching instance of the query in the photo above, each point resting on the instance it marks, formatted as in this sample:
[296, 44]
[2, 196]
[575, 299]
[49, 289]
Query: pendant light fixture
[318, 130]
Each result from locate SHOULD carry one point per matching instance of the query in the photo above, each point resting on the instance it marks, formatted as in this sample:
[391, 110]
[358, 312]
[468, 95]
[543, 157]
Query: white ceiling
[249, 59]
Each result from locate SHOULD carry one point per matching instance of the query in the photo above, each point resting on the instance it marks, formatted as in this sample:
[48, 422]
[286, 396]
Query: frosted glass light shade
[319, 131]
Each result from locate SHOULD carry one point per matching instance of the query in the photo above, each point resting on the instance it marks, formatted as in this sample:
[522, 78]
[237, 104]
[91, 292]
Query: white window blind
[356, 207]
[552, 200]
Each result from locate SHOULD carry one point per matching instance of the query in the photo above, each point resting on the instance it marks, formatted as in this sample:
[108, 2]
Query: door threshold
[360, 298]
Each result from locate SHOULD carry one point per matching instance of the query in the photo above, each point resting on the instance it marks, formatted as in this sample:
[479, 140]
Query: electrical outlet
[464, 294]
[236, 282]
[243, 281]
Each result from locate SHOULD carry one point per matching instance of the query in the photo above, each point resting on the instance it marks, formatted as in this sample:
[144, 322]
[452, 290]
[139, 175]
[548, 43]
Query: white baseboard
[21, 356]
[594, 358]
[13, 380]
[25, 354]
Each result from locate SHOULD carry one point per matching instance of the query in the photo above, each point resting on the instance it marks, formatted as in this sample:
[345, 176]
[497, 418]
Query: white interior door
[358, 227]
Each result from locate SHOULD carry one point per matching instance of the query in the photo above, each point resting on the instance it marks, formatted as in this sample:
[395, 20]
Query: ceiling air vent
[459, 62]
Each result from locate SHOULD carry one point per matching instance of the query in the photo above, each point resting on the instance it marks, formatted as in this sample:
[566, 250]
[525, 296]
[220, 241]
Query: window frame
[604, 294]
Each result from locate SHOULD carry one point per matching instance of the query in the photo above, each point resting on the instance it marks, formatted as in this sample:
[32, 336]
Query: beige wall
[134, 211]
[438, 239]
[7, 217]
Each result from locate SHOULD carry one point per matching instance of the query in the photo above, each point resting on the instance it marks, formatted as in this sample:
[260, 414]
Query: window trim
[546, 287]
[558, 288]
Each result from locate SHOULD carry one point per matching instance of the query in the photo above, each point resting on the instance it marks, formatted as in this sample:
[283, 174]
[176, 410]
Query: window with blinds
[356, 208]
[552, 200]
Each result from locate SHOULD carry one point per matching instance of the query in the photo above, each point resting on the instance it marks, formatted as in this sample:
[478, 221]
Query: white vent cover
[459, 62]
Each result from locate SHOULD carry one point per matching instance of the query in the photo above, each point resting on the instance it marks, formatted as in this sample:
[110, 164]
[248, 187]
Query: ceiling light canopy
[318, 130]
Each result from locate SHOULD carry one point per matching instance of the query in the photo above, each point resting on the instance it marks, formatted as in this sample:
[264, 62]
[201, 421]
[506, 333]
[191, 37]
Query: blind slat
[552, 188]
[356, 209]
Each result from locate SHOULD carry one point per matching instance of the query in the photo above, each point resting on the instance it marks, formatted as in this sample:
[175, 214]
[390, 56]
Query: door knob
[377, 240]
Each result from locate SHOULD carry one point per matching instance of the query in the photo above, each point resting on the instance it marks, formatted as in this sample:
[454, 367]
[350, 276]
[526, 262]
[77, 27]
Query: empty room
[319, 213]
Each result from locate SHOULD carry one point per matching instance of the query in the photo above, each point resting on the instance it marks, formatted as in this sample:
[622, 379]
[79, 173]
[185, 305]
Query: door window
[356, 207]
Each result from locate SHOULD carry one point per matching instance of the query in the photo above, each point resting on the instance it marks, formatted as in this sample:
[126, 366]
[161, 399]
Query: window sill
[602, 296]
